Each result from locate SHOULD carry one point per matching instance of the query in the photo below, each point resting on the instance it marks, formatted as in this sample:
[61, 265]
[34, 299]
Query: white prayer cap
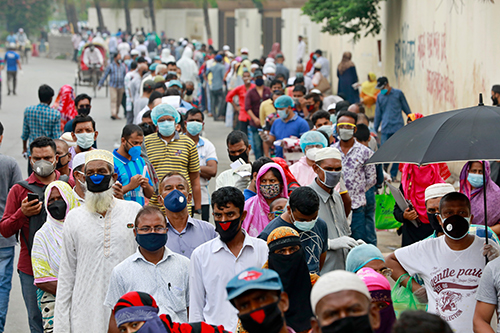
[335, 281]
[184, 43]
[328, 152]
[99, 155]
[316, 91]
[317, 65]
[226, 48]
[254, 66]
[181, 39]
[66, 137]
[230, 55]
[331, 106]
[244, 50]
[438, 190]
[134, 52]
[269, 68]
[79, 159]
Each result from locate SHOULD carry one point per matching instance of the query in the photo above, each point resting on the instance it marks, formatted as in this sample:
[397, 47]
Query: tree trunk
[151, 4]
[69, 6]
[128, 21]
[207, 19]
[98, 10]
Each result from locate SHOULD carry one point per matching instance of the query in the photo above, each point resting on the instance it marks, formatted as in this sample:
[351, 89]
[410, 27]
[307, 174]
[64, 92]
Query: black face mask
[265, 319]
[228, 230]
[434, 223]
[243, 156]
[360, 324]
[57, 210]
[494, 100]
[99, 183]
[189, 92]
[456, 227]
[59, 165]
[84, 111]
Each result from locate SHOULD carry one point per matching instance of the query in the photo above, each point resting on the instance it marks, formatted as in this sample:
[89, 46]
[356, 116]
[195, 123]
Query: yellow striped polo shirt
[179, 155]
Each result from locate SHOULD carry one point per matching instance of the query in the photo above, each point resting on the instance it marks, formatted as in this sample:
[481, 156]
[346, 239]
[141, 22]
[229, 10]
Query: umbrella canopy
[468, 134]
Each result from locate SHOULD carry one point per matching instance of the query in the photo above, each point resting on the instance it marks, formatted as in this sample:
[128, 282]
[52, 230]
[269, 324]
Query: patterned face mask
[270, 191]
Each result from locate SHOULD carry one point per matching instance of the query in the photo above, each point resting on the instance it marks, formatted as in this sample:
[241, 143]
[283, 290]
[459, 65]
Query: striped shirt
[116, 74]
[41, 120]
[179, 155]
[126, 169]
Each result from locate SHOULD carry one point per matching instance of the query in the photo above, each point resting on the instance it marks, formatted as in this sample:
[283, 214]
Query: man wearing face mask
[258, 296]
[238, 149]
[79, 176]
[213, 263]
[98, 236]
[188, 94]
[288, 124]
[131, 168]
[390, 103]
[358, 176]
[153, 268]
[313, 105]
[450, 266]
[207, 153]
[92, 57]
[62, 151]
[84, 134]
[328, 167]
[169, 151]
[83, 106]
[302, 215]
[342, 303]
[24, 217]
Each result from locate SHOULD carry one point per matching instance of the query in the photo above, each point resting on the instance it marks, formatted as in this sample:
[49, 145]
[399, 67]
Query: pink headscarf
[257, 207]
[373, 280]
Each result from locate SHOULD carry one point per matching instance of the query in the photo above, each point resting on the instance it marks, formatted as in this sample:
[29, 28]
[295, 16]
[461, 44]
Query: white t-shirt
[451, 277]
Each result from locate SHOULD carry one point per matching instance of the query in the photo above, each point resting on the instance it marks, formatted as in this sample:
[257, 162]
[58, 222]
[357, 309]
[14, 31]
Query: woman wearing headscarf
[346, 72]
[275, 49]
[471, 184]
[46, 252]
[310, 63]
[270, 185]
[290, 178]
[380, 291]
[65, 104]
[369, 94]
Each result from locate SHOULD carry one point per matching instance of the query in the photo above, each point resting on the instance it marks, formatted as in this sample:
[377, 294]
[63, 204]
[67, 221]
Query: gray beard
[99, 202]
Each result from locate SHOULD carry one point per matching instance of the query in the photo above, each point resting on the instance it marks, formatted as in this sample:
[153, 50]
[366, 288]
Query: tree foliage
[30, 15]
[344, 17]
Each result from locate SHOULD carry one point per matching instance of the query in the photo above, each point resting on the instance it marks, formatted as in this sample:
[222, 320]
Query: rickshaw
[89, 76]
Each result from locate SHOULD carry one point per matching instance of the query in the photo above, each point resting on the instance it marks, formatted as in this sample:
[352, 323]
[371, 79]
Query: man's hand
[490, 251]
[264, 135]
[118, 190]
[410, 214]
[343, 242]
[30, 208]
[421, 295]
[135, 182]
[143, 181]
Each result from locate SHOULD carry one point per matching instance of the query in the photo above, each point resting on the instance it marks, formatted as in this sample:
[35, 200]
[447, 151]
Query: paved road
[57, 73]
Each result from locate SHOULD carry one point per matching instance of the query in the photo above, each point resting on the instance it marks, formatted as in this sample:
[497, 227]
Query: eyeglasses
[387, 272]
[346, 125]
[158, 230]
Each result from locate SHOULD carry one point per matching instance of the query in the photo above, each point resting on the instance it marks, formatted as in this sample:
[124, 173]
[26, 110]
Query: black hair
[154, 95]
[256, 62]
[320, 114]
[362, 133]
[348, 114]
[301, 88]
[147, 88]
[171, 77]
[133, 65]
[236, 136]
[130, 129]
[280, 75]
[82, 119]
[148, 210]
[193, 112]
[41, 142]
[277, 174]
[318, 51]
[275, 81]
[172, 63]
[159, 85]
[81, 97]
[420, 321]
[141, 60]
[299, 80]
[305, 200]
[316, 98]
[1, 129]
[147, 129]
[147, 114]
[361, 107]
[454, 196]
[115, 55]
[341, 106]
[226, 195]
[278, 93]
[259, 163]
[172, 92]
[45, 93]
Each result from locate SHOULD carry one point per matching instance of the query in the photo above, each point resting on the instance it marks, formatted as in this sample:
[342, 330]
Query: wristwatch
[197, 211]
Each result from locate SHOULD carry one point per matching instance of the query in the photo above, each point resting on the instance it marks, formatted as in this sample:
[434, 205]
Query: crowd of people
[120, 241]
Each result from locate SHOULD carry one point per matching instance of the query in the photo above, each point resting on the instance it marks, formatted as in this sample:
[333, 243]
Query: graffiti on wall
[404, 54]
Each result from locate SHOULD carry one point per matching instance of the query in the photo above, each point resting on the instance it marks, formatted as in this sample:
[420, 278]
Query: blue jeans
[30, 300]
[363, 228]
[395, 166]
[6, 269]
[370, 215]
[256, 142]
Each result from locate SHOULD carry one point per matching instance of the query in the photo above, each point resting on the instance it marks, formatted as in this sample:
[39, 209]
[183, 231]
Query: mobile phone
[33, 196]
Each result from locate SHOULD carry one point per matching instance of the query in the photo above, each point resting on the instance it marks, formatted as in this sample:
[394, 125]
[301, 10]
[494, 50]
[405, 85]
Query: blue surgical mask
[152, 241]
[85, 140]
[303, 225]
[135, 152]
[333, 119]
[167, 127]
[383, 91]
[127, 62]
[194, 127]
[475, 180]
[299, 75]
[283, 113]
[175, 201]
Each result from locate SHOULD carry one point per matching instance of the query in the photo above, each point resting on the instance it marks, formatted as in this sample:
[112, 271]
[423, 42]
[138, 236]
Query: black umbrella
[468, 134]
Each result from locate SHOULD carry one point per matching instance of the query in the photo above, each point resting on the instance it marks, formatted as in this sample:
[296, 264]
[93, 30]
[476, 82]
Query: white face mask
[85, 140]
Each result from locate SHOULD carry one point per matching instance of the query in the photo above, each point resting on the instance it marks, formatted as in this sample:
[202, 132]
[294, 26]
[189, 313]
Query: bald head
[61, 144]
[299, 68]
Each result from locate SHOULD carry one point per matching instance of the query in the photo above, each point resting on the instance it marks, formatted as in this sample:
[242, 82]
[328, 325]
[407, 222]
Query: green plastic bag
[384, 207]
[403, 298]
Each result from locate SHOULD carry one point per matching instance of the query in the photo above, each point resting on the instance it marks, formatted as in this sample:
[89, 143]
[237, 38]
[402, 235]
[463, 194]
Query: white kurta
[92, 246]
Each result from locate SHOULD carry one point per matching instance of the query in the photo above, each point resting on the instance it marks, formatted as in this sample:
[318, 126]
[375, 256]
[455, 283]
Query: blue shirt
[11, 59]
[11, 39]
[388, 111]
[125, 170]
[314, 242]
[116, 74]
[294, 127]
[41, 120]
[194, 234]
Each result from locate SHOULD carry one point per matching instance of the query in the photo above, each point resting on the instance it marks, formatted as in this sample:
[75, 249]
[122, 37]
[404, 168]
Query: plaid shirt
[41, 120]
[117, 75]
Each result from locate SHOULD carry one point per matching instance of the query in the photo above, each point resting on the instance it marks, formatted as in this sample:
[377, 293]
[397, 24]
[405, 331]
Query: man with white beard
[96, 237]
